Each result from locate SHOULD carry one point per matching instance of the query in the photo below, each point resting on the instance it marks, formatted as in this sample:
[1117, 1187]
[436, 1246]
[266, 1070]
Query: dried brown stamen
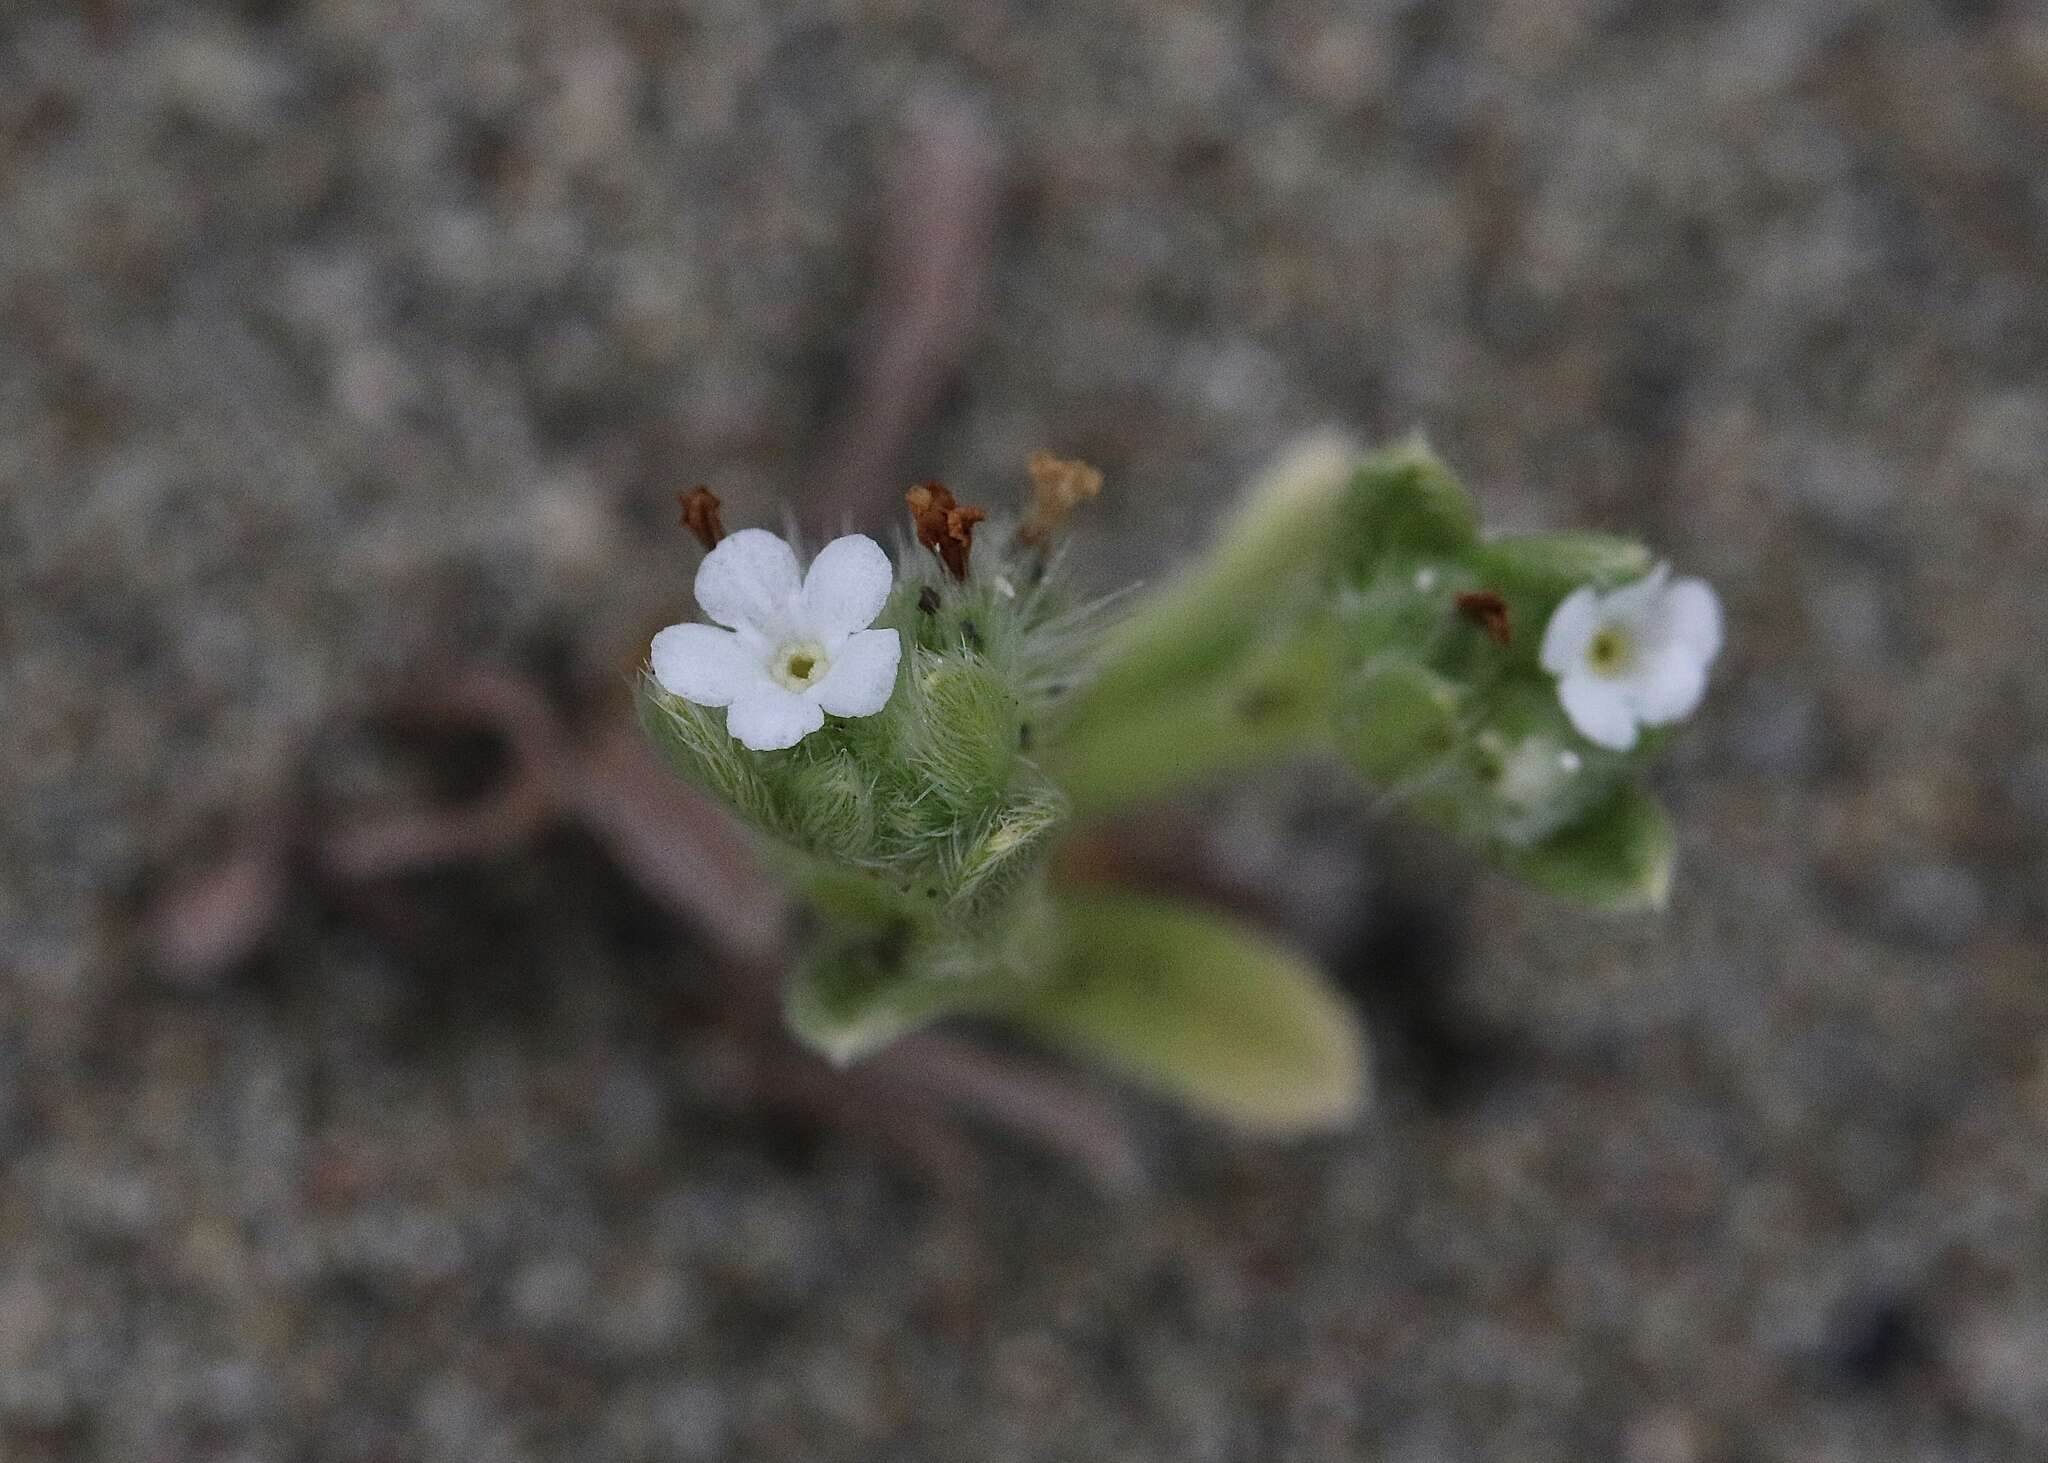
[943, 526]
[1059, 485]
[700, 515]
[1486, 609]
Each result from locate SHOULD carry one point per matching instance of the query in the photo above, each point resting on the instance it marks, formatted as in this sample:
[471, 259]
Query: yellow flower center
[800, 665]
[1612, 652]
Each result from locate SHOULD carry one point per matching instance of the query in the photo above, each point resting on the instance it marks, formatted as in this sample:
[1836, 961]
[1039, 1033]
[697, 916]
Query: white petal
[749, 582]
[1639, 603]
[1599, 708]
[862, 675]
[1668, 687]
[768, 718]
[847, 586]
[704, 664]
[1571, 630]
[1692, 620]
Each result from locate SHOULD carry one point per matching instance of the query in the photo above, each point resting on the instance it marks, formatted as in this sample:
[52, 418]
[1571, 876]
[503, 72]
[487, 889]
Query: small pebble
[1777, 730]
[695, 1420]
[2002, 1362]
[1935, 904]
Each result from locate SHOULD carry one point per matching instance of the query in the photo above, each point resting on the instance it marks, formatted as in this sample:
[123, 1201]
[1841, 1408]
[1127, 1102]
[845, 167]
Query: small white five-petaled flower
[794, 648]
[1636, 656]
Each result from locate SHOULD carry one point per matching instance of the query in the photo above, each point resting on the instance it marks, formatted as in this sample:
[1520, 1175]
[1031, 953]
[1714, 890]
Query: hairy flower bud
[1008, 848]
[832, 807]
[963, 737]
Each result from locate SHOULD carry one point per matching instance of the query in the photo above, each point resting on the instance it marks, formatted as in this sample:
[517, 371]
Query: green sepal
[1619, 857]
[1554, 564]
[693, 740]
[1395, 614]
[833, 806]
[1204, 1009]
[1405, 505]
[986, 863]
[1533, 773]
[1398, 719]
[961, 733]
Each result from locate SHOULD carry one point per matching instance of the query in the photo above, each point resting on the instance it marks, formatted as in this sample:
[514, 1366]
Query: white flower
[794, 650]
[1637, 656]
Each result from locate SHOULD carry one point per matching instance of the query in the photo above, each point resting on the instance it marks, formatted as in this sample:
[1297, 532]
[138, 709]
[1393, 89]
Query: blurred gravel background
[344, 343]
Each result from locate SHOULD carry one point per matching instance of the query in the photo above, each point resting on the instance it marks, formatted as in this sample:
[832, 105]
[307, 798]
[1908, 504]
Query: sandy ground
[347, 345]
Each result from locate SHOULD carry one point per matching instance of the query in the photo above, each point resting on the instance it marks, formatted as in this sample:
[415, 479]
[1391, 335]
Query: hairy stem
[1194, 629]
[1274, 705]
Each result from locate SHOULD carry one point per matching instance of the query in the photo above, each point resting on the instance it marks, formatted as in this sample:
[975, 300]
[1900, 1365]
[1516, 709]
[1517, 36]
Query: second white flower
[1635, 657]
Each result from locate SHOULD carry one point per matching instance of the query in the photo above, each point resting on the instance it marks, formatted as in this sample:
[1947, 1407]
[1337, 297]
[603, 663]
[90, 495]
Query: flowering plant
[914, 739]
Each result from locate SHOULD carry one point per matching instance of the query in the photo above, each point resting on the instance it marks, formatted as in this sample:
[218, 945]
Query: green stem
[1192, 630]
[1276, 706]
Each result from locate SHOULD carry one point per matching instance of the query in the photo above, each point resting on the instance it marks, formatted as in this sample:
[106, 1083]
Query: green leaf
[1618, 858]
[1224, 1018]
[1404, 504]
[1554, 564]
[858, 990]
[866, 982]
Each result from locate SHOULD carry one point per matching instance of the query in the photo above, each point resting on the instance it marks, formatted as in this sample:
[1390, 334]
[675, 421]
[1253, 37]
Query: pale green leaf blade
[1554, 564]
[1227, 1019]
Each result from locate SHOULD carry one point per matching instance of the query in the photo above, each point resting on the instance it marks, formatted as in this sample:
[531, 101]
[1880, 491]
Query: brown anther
[1059, 485]
[943, 526]
[1486, 609]
[700, 515]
